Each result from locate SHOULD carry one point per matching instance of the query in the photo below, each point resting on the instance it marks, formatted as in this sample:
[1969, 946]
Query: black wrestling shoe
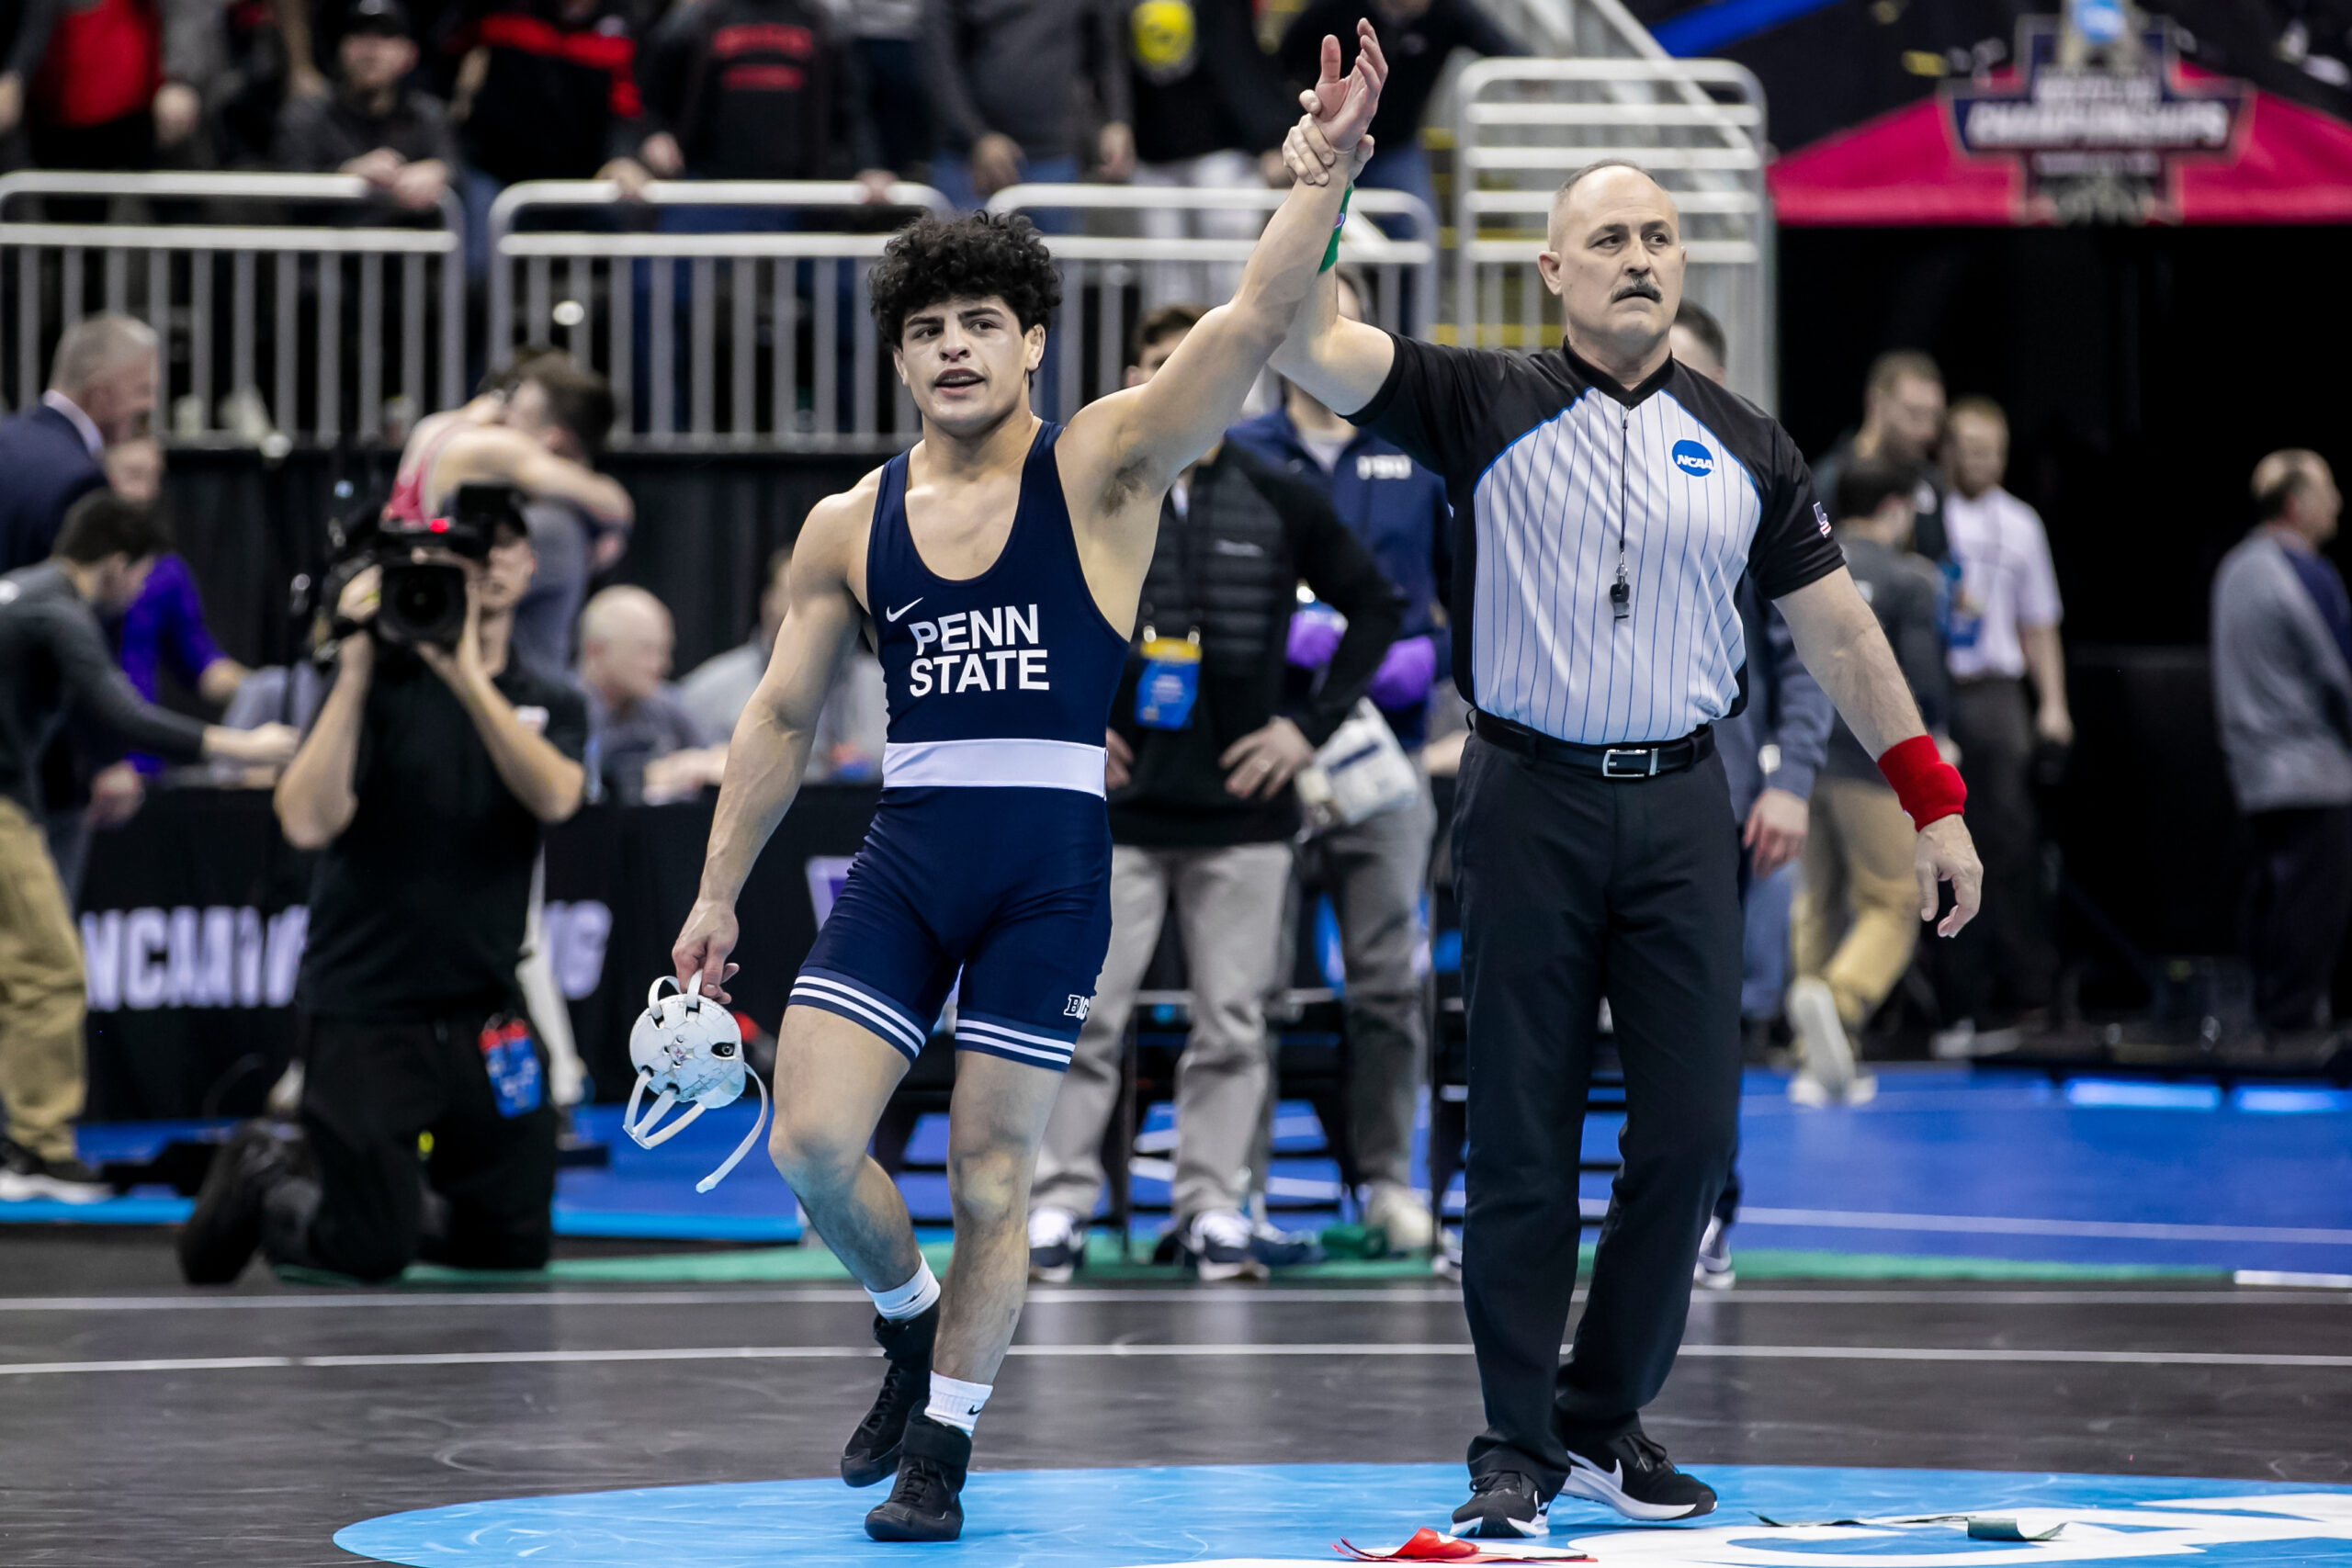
[1633, 1475]
[873, 1451]
[225, 1226]
[925, 1505]
[1502, 1504]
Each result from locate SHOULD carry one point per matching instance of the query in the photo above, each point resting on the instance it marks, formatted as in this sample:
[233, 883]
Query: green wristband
[1331, 251]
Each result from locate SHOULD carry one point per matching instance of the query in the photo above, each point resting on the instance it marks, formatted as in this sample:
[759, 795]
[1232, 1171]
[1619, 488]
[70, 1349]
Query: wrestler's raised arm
[1123, 452]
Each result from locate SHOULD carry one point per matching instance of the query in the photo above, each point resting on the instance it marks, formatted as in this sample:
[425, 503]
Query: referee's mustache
[1637, 289]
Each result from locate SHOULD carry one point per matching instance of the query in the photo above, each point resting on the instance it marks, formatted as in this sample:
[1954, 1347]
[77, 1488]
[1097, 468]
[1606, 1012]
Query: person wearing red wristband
[1607, 500]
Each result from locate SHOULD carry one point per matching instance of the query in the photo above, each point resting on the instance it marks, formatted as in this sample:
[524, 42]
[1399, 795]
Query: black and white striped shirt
[1550, 465]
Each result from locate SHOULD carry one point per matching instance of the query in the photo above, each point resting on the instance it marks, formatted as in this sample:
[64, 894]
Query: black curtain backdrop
[2144, 372]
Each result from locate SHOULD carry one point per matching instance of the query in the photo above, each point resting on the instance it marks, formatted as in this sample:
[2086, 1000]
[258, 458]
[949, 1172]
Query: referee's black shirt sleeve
[1793, 547]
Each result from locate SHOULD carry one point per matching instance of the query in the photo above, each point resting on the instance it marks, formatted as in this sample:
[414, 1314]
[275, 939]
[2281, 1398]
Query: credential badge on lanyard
[1170, 682]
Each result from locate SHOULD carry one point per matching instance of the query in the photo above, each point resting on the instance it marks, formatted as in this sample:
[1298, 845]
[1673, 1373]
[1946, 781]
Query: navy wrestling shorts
[1010, 885]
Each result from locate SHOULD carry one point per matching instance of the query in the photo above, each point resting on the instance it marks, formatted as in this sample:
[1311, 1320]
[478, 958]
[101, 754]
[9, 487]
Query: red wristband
[1928, 787]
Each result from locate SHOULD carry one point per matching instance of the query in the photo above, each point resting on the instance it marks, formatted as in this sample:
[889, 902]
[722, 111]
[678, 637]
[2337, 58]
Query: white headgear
[688, 1047]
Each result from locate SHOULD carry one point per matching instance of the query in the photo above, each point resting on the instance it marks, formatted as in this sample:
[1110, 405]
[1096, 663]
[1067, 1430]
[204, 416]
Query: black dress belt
[1648, 761]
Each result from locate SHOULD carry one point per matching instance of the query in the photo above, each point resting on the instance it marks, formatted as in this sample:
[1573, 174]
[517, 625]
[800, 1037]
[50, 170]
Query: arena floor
[1134, 1425]
[2124, 1308]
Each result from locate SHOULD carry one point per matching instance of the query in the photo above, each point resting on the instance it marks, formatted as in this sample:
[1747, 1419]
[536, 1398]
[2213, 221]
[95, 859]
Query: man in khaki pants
[52, 654]
[1856, 918]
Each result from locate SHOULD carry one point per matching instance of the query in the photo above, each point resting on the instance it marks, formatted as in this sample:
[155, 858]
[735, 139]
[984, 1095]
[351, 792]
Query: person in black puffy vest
[1193, 819]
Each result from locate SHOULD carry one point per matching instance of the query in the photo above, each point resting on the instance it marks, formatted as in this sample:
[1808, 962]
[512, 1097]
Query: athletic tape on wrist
[1331, 251]
[1928, 787]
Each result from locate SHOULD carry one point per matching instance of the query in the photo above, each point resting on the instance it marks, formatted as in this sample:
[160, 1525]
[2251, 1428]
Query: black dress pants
[2298, 907]
[1572, 889]
[371, 1087]
[2005, 953]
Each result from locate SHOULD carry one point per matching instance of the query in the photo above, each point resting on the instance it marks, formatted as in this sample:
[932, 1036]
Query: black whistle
[1621, 598]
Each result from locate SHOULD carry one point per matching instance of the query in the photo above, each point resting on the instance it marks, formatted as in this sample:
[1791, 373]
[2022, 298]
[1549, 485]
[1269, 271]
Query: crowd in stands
[421, 97]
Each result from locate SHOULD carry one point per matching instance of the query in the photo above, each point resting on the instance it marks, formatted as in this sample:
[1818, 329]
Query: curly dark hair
[972, 257]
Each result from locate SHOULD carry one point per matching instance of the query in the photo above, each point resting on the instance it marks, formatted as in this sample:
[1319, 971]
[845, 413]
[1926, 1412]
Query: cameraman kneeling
[425, 781]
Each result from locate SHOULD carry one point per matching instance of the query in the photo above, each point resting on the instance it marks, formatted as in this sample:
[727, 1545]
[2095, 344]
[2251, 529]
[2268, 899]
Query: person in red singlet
[540, 438]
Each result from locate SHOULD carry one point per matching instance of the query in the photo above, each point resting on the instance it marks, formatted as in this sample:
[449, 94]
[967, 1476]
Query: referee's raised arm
[1607, 502]
[1338, 363]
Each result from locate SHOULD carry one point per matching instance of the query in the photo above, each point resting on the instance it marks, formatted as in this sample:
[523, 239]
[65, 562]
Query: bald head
[1613, 254]
[625, 642]
[2295, 489]
[107, 366]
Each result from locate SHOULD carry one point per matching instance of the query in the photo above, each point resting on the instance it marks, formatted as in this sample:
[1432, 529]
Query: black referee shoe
[873, 1450]
[1633, 1475]
[1503, 1503]
[925, 1505]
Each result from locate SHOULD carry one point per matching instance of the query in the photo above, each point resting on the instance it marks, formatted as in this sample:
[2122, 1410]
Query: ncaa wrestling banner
[2079, 127]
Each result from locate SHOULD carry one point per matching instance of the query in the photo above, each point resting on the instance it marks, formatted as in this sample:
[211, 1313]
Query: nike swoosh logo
[1615, 1476]
[892, 615]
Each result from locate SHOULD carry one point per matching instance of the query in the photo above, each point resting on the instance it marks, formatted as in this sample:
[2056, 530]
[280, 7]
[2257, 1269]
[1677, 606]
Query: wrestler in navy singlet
[991, 849]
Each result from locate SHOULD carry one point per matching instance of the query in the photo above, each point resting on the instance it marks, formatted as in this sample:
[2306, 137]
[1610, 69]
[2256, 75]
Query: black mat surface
[249, 1425]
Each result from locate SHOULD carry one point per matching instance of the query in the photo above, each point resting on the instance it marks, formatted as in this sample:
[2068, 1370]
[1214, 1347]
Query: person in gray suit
[2282, 692]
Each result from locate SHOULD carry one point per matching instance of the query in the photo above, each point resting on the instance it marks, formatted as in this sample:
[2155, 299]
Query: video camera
[424, 602]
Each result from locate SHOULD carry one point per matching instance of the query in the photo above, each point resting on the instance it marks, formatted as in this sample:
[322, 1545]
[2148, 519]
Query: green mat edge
[816, 1265]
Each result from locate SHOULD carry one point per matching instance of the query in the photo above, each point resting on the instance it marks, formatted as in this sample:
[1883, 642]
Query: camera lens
[423, 603]
[418, 600]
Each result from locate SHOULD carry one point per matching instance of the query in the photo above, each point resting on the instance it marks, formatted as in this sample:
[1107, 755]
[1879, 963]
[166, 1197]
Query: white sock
[909, 1299]
[955, 1402]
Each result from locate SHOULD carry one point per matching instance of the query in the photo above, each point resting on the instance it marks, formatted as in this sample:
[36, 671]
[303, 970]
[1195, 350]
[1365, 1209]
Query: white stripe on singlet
[1002, 765]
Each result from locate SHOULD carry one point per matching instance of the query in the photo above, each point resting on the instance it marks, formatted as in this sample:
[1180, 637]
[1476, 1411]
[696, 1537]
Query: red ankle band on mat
[1928, 787]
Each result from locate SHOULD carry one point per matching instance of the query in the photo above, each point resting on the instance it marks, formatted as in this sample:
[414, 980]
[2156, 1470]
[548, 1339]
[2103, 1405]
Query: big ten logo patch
[1383, 465]
[1078, 1008]
[977, 650]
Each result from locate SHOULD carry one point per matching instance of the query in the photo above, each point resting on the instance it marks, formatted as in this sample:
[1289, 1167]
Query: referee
[1606, 501]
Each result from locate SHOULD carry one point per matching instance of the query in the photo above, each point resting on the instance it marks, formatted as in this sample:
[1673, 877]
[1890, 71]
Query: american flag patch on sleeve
[1821, 515]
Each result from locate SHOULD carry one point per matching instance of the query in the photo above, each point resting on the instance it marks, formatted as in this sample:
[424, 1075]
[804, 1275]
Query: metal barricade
[320, 342]
[1110, 280]
[797, 367]
[1583, 30]
[1697, 125]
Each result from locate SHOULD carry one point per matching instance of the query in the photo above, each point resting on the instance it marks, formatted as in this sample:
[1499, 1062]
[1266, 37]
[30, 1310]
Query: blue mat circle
[1238, 1515]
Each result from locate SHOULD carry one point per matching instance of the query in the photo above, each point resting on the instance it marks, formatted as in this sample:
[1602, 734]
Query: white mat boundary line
[1965, 1354]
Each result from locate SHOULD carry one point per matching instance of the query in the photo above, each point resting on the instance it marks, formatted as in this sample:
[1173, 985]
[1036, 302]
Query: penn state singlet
[989, 856]
[1001, 679]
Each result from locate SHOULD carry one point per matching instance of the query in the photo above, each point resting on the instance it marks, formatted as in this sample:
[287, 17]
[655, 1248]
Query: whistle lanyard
[1620, 592]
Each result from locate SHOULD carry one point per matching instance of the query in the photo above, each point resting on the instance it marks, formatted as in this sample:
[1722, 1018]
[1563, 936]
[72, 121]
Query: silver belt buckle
[1608, 759]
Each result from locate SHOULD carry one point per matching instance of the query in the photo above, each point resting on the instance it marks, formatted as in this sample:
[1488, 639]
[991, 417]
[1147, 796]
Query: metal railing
[724, 314]
[1585, 29]
[1110, 280]
[301, 301]
[1523, 125]
[797, 367]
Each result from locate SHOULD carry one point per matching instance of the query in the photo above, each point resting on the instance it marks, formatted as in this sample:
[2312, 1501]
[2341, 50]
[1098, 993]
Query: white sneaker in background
[1216, 1243]
[1713, 1271]
[1056, 1245]
[1828, 1055]
[1404, 1214]
[1954, 1045]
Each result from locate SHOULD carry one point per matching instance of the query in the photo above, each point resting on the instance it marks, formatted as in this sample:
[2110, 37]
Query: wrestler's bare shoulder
[833, 537]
